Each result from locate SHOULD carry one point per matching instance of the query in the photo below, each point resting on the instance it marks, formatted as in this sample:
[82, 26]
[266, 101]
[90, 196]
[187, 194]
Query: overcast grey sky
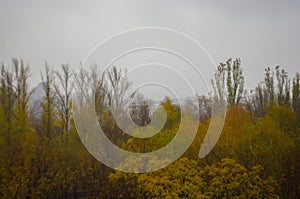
[262, 34]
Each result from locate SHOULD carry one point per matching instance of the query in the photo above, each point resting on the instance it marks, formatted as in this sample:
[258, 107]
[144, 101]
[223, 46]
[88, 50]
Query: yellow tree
[272, 142]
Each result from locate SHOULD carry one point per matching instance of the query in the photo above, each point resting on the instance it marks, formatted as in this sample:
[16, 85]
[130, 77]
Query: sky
[261, 33]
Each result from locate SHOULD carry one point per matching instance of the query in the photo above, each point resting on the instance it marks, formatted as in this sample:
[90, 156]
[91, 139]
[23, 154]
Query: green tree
[283, 87]
[266, 92]
[229, 82]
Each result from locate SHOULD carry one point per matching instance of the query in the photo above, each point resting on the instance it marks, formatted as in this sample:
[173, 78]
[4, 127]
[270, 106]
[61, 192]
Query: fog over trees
[42, 156]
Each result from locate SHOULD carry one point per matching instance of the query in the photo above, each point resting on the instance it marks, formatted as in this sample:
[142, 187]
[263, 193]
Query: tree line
[42, 156]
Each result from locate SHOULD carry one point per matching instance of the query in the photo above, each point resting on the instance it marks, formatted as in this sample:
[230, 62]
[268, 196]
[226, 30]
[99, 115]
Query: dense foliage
[41, 155]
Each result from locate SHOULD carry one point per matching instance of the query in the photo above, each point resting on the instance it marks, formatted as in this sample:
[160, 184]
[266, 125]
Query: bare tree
[204, 107]
[63, 91]
[140, 111]
[99, 88]
[81, 86]
[118, 86]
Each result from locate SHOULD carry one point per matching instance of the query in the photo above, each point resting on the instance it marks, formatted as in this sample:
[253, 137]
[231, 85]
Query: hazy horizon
[261, 34]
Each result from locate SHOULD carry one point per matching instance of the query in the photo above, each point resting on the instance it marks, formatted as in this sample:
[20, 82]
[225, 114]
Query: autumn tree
[17, 140]
[22, 93]
[7, 96]
[255, 157]
[272, 143]
[185, 179]
[296, 96]
[48, 103]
